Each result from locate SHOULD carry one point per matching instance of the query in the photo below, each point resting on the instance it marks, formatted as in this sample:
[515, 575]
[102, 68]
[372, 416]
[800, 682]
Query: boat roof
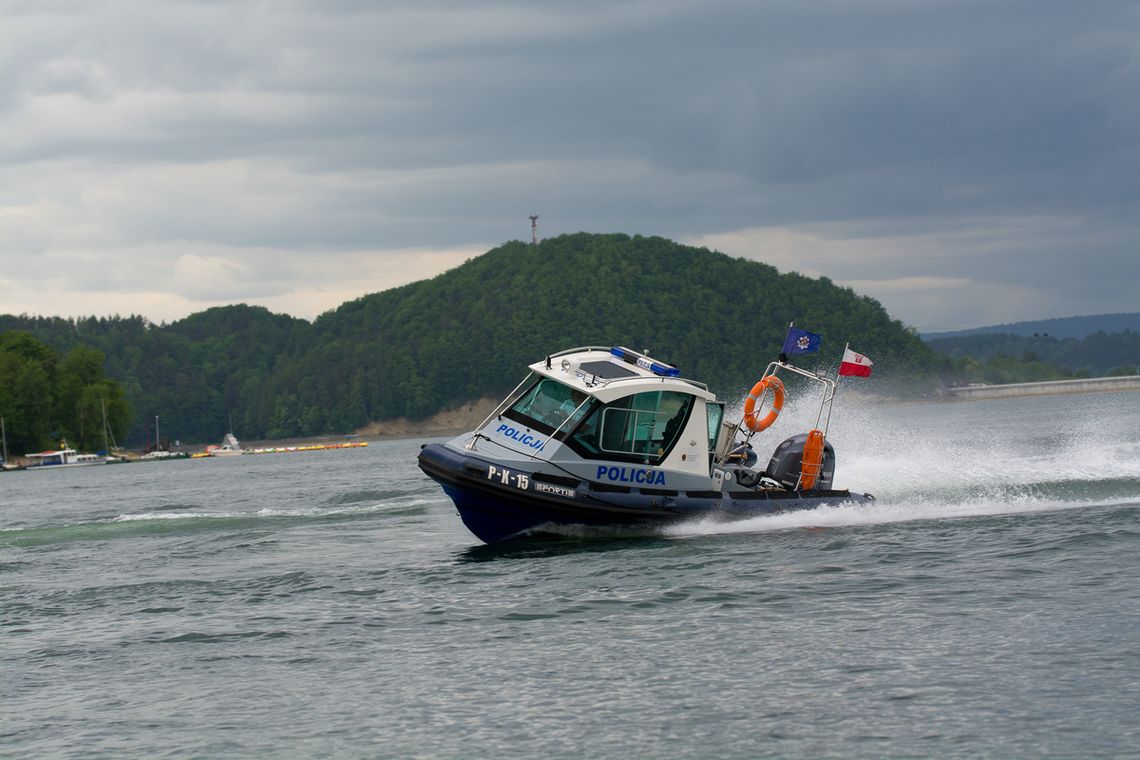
[51, 453]
[609, 373]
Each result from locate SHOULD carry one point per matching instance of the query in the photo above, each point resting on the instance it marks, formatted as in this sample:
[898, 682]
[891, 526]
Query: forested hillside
[468, 333]
[1097, 354]
[195, 373]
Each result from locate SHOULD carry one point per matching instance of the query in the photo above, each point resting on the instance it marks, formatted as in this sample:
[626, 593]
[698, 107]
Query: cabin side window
[642, 428]
[715, 415]
[549, 405]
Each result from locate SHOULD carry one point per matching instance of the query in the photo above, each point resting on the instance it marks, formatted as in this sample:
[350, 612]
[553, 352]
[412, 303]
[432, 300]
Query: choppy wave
[407, 506]
[191, 520]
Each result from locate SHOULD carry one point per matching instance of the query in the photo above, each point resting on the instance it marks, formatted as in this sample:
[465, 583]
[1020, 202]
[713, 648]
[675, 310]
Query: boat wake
[880, 513]
[971, 462]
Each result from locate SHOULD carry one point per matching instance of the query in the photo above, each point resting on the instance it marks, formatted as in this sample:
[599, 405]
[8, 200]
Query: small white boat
[160, 455]
[229, 447]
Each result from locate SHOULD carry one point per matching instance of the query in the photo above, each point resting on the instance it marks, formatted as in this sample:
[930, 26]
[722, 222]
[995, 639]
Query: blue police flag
[801, 341]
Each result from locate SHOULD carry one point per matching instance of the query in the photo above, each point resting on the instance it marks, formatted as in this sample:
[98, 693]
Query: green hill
[1059, 327]
[468, 333]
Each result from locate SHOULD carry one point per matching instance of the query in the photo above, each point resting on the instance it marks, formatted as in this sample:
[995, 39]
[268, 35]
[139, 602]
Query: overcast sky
[965, 162]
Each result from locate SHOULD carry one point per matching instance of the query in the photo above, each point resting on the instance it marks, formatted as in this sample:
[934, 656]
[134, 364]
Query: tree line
[47, 397]
[1005, 357]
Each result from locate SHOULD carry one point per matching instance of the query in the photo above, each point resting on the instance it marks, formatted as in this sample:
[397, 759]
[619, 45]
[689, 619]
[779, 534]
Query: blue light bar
[643, 361]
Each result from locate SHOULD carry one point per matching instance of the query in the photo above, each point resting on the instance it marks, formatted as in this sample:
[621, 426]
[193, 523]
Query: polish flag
[855, 364]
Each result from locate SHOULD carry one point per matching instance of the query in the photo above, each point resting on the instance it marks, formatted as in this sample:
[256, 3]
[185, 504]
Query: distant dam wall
[1049, 388]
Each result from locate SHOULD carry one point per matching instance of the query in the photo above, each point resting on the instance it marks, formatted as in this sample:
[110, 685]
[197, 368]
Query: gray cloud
[897, 145]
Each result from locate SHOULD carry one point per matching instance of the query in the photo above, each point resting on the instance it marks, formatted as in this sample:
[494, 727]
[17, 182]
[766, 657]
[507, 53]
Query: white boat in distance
[63, 457]
[162, 454]
[229, 447]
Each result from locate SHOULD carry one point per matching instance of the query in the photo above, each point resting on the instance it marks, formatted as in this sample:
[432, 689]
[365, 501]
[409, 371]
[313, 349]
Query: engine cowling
[787, 459]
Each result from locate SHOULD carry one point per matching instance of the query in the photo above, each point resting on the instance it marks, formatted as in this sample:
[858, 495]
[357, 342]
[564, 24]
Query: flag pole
[783, 358]
[834, 392]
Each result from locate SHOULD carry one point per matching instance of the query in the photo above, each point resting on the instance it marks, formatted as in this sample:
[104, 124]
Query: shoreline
[453, 422]
[1119, 384]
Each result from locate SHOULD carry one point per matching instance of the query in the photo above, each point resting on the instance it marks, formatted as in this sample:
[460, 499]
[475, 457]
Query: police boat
[599, 437]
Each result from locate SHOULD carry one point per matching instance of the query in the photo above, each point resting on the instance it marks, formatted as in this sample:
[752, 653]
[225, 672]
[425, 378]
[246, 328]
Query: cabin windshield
[549, 405]
[643, 427]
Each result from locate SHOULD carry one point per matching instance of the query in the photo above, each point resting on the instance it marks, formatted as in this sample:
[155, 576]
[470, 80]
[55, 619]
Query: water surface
[331, 604]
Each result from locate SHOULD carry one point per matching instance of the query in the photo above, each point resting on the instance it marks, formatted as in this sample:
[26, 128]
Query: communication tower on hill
[534, 229]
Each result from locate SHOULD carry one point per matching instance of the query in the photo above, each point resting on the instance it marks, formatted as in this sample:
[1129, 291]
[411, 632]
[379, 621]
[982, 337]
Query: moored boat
[229, 447]
[64, 457]
[609, 437]
[160, 453]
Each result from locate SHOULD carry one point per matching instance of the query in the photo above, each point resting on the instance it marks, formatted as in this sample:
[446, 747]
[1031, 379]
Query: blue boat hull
[497, 503]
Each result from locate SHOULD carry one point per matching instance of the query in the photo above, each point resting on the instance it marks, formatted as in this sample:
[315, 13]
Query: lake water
[331, 604]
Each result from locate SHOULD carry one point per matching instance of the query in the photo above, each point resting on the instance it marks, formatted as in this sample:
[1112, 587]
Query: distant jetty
[1049, 388]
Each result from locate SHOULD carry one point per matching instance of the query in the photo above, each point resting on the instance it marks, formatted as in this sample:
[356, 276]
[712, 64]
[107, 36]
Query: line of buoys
[307, 447]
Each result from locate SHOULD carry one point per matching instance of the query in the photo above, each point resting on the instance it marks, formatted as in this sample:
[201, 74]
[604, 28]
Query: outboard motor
[784, 467]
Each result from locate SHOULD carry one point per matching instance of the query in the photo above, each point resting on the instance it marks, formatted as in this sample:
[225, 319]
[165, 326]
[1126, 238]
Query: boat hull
[498, 502]
[65, 466]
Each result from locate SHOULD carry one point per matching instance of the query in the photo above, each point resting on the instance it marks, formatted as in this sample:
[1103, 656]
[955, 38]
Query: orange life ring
[812, 462]
[773, 383]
